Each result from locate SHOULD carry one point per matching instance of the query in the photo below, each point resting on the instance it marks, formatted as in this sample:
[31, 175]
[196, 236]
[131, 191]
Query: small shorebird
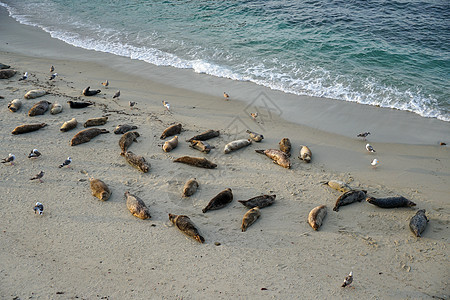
[374, 163]
[348, 280]
[226, 96]
[38, 176]
[106, 83]
[34, 153]
[10, 159]
[25, 76]
[53, 76]
[66, 162]
[254, 115]
[370, 148]
[117, 94]
[166, 105]
[132, 104]
[38, 208]
[52, 68]
[363, 135]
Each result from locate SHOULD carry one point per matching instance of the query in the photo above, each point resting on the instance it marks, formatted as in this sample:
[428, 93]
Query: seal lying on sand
[137, 161]
[88, 92]
[349, 197]
[100, 189]
[338, 185]
[171, 130]
[185, 224]
[15, 105]
[259, 201]
[278, 157]
[86, 135]
[34, 94]
[209, 134]
[235, 145]
[137, 207]
[96, 122]
[127, 139]
[170, 144]
[7, 73]
[201, 146]
[255, 136]
[121, 129]
[39, 108]
[250, 217]
[190, 187]
[69, 125]
[390, 202]
[28, 128]
[285, 146]
[200, 162]
[56, 108]
[316, 216]
[305, 154]
[76, 104]
[418, 223]
[220, 200]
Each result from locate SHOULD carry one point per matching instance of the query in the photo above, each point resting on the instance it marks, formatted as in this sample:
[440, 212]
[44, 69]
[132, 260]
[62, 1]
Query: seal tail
[260, 151]
[199, 238]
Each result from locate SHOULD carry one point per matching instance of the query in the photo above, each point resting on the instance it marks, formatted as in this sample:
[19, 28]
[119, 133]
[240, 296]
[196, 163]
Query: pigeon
[38, 176]
[10, 159]
[53, 76]
[106, 83]
[374, 163]
[370, 148]
[132, 103]
[52, 68]
[66, 162]
[38, 208]
[226, 96]
[25, 76]
[254, 115]
[166, 105]
[34, 153]
[348, 280]
[117, 94]
[363, 135]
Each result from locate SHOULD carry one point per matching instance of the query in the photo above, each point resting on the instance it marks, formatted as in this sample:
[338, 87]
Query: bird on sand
[38, 176]
[52, 68]
[132, 104]
[10, 159]
[53, 76]
[38, 208]
[166, 105]
[226, 96]
[116, 95]
[363, 135]
[106, 83]
[66, 162]
[34, 153]
[254, 115]
[370, 148]
[25, 76]
[374, 163]
[348, 280]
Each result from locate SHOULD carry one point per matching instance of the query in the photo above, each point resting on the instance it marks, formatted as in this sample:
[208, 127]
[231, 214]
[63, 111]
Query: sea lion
[86, 135]
[77, 104]
[338, 185]
[7, 73]
[209, 134]
[39, 108]
[96, 122]
[127, 139]
[14, 105]
[137, 161]
[390, 202]
[255, 136]
[316, 216]
[34, 94]
[171, 130]
[259, 201]
[250, 217]
[100, 189]
[278, 157]
[200, 162]
[349, 197]
[220, 200]
[69, 125]
[136, 206]
[170, 144]
[190, 187]
[185, 224]
[201, 146]
[418, 223]
[28, 128]
[305, 154]
[285, 146]
[88, 92]
[56, 108]
[235, 145]
[121, 129]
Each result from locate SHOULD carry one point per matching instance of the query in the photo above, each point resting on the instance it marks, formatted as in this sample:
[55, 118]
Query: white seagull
[10, 159]
[38, 208]
[370, 148]
[25, 76]
[374, 163]
[38, 176]
[53, 76]
[117, 94]
[348, 280]
[34, 153]
[166, 105]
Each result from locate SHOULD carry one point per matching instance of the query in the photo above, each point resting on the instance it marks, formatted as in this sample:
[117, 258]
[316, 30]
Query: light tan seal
[127, 139]
[201, 146]
[255, 136]
[15, 105]
[235, 145]
[305, 154]
[56, 108]
[100, 189]
[316, 216]
[278, 157]
[69, 125]
[186, 226]
[250, 217]
[95, 122]
[200, 162]
[39, 108]
[285, 146]
[220, 200]
[338, 185]
[137, 161]
[170, 144]
[137, 207]
[34, 94]
[86, 135]
[171, 130]
[28, 128]
[190, 187]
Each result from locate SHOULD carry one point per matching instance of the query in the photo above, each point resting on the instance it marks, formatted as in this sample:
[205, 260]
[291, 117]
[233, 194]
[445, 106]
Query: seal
[77, 104]
[220, 200]
[88, 92]
[316, 216]
[204, 136]
[39, 108]
[127, 139]
[259, 201]
[338, 185]
[200, 162]
[95, 122]
[3, 66]
[190, 187]
[201, 146]
[56, 108]
[121, 129]
[255, 136]
[100, 189]
[32, 94]
[250, 217]
[137, 161]
[86, 135]
[170, 144]
[278, 157]
[186, 226]
[69, 125]
[235, 145]
[136, 206]
[418, 223]
[7, 73]
[28, 128]
[171, 130]
[390, 202]
[349, 197]
[285, 146]
[305, 154]
[14, 105]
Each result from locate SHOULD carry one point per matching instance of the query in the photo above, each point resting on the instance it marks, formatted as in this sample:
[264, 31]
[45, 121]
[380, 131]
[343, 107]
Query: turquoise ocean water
[387, 53]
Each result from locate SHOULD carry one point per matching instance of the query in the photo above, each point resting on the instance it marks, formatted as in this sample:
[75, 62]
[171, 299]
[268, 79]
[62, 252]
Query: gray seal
[259, 201]
[349, 197]
[220, 200]
[136, 206]
[39, 108]
[137, 161]
[418, 223]
[209, 134]
[285, 146]
[190, 187]
[127, 139]
[186, 226]
[200, 162]
[86, 135]
[121, 129]
[250, 217]
[279, 157]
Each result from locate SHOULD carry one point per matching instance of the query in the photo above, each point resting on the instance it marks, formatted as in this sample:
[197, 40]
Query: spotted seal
[137, 206]
[15, 105]
[127, 139]
[170, 144]
[96, 122]
[39, 108]
[250, 217]
[255, 136]
[86, 135]
[235, 145]
[390, 202]
[259, 201]
[34, 94]
[56, 108]
[349, 197]
[285, 146]
[316, 216]
[190, 187]
[88, 92]
[278, 157]
[121, 129]
[171, 130]
[418, 223]
[100, 189]
[201, 146]
[28, 128]
[209, 134]
[220, 200]
[186, 226]
[305, 154]
[69, 125]
[137, 161]
[200, 162]
[338, 185]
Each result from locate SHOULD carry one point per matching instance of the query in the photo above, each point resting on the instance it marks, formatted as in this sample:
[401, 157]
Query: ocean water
[386, 53]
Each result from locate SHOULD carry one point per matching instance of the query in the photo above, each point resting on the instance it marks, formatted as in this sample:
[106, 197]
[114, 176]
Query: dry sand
[85, 248]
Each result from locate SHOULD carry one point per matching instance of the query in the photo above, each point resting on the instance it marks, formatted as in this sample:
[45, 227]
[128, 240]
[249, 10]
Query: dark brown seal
[390, 202]
[259, 201]
[136, 206]
[316, 216]
[28, 128]
[220, 200]
[200, 162]
[285, 146]
[209, 134]
[69, 125]
[100, 189]
[200, 146]
[338, 185]
[127, 139]
[418, 223]
[137, 161]
[76, 104]
[250, 217]
[190, 187]
[185, 224]
[171, 130]
[39, 108]
[121, 129]
[278, 157]
[86, 135]
[88, 92]
[96, 122]
[349, 197]
[7, 73]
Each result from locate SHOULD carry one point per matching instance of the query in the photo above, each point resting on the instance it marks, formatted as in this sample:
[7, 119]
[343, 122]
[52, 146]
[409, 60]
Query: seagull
[53, 76]
[25, 76]
[374, 163]
[66, 162]
[226, 96]
[10, 159]
[132, 104]
[106, 83]
[38, 208]
[370, 148]
[52, 68]
[166, 105]
[363, 135]
[34, 153]
[38, 176]
[117, 94]
[348, 280]
[254, 115]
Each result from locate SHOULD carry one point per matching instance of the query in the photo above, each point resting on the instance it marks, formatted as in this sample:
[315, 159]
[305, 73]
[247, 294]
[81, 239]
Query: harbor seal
[100, 189]
[95, 122]
[201, 146]
[121, 129]
[285, 146]
[15, 105]
[69, 125]
[316, 216]
[220, 200]
[349, 197]
[137, 161]
[88, 92]
[127, 139]
[418, 223]
[278, 157]
[390, 202]
[186, 226]
[77, 104]
[28, 128]
[235, 145]
[209, 134]
[305, 154]
[171, 130]
[39, 108]
[255, 136]
[7, 73]
[136, 206]
[3, 66]
[338, 185]
[86, 135]
[259, 201]
[56, 108]
[190, 187]
[200, 162]
[170, 144]
[32, 94]
[250, 217]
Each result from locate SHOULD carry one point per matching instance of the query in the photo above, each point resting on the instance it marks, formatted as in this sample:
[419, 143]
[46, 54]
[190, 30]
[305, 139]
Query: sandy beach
[84, 248]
